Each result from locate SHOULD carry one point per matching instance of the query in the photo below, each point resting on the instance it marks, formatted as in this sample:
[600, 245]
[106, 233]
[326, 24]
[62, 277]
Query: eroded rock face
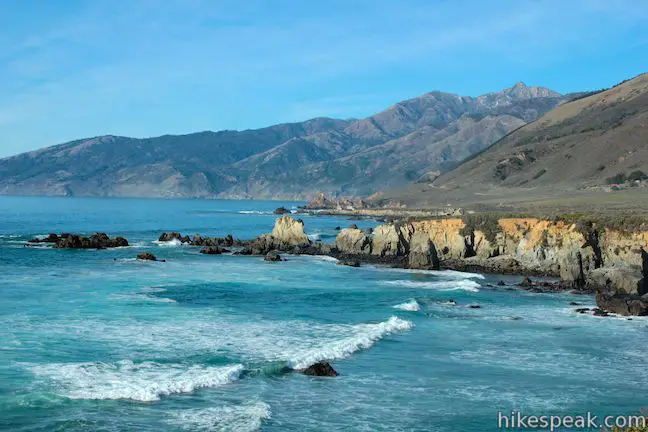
[353, 241]
[422, 252]
[391, 240]
[289, 232]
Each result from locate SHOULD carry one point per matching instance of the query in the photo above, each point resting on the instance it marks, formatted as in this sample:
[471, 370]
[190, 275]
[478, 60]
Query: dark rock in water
[599, 312]
[353, 226]
[95, 241]
[474, 306]
[272, 256]
[52, 238]
[501, 283]
[349, 263]
[211, 250]
[526, 282]
[321, 370]
[573, 303]
[146, 256]
[337, 228]
[581, 310]
[170, 236]
[623, 304]
[281, 211]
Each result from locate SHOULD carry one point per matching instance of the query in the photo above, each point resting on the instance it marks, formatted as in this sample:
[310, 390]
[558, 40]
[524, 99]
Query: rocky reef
[75, 241]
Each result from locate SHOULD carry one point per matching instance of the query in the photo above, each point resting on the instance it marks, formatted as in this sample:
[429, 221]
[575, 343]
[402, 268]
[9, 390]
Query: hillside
[575, 152]
[430, 133]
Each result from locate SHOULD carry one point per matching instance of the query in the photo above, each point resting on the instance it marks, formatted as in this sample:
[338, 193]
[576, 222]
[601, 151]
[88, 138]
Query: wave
[315, 236]
[458, 285]
[366, 336]
[172, 243]
[243, 418]
[447, 274]
[410, 306]
[143, 297]
[257, 212]
[143, 382]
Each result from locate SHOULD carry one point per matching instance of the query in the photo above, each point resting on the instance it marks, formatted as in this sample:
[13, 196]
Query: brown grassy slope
[554, 161]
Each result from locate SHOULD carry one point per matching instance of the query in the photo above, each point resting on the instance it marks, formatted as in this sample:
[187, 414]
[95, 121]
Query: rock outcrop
[422, 252]
[353, 241]
[288, 232]
[74, 241]
[391, 240]
[321, 370]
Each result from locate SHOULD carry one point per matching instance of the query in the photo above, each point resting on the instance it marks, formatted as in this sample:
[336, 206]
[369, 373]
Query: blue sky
[76, 68]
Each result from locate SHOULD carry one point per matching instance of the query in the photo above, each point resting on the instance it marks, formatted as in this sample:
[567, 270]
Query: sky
[71, 69]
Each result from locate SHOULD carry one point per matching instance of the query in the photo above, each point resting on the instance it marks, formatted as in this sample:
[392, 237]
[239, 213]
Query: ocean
[98, 341]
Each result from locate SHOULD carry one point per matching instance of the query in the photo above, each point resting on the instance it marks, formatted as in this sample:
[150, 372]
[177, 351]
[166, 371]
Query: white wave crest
[458, 285]
[314, 236]
[366, 336]
[257, 212]
[244, 418]
[447, 274]
[142, 297]
[172, 243]
[410, 306]
[144, 382]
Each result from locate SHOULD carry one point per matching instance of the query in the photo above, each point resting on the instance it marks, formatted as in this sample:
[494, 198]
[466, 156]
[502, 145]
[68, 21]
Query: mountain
[577, 150]
[413, 138]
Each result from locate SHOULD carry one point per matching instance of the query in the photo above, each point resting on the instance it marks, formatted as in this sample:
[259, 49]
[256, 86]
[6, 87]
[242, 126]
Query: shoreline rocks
[75, 241]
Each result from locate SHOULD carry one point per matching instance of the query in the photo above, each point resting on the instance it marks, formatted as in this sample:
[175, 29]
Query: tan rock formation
[353, 241]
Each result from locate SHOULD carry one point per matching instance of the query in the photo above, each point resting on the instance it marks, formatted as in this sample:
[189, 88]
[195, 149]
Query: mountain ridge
[288, 160]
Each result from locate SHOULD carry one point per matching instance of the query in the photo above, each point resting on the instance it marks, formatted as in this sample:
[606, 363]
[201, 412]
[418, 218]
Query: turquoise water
[96, 341]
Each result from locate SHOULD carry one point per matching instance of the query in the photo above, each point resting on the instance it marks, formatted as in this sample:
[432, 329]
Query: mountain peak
[522, 91]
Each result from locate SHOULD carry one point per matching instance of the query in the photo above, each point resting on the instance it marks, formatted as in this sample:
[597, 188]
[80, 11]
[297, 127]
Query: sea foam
[410, 306]
[144, 382]
[242, 418]
[455, 285]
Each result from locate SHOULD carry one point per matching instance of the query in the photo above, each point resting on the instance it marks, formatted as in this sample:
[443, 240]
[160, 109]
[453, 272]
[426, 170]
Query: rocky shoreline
[585, 260]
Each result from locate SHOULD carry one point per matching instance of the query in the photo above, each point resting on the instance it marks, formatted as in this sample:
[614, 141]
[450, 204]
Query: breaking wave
[365, 337]
[458, 285]
[410, 306]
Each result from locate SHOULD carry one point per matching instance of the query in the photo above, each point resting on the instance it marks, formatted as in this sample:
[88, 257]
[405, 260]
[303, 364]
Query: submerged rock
[146, 256]
[211, 250]
[322, 369]
[349, 263]
[272, 256]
